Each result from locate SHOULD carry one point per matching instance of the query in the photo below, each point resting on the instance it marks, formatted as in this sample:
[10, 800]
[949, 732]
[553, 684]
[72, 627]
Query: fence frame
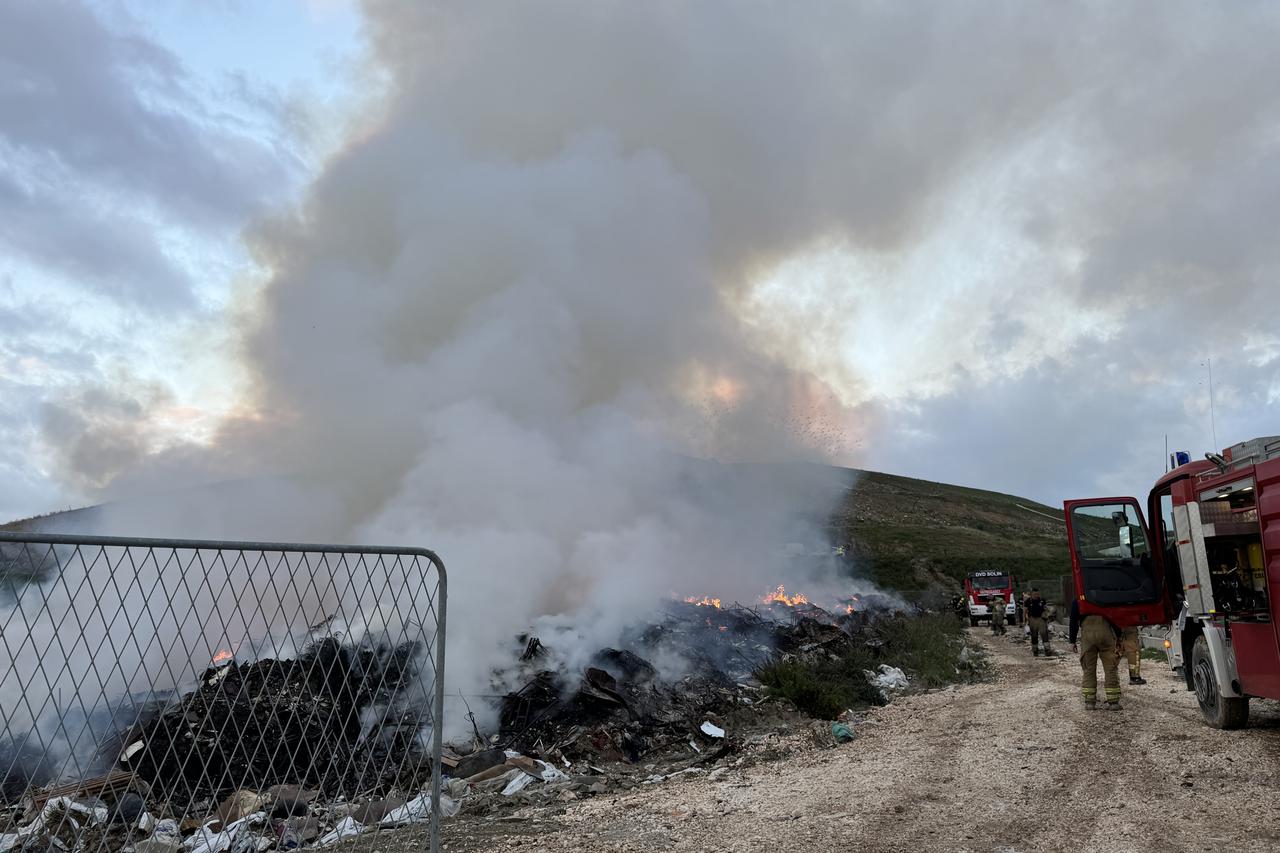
[437, 702]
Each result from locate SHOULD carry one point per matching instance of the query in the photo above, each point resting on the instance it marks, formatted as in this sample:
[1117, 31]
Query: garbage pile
[279, 754]
[283, 817]
[334, 719]
[268, 754]
[620, 708]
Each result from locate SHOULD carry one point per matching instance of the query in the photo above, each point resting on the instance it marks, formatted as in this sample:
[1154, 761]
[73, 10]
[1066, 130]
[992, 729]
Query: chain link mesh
[162, 694]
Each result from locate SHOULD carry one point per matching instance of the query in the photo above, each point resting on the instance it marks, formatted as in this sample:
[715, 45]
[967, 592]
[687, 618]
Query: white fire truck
[1209, 565]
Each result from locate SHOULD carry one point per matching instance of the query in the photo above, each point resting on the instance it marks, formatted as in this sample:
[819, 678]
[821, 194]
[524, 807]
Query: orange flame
[779, 596]
[703, 602]
[223, 656]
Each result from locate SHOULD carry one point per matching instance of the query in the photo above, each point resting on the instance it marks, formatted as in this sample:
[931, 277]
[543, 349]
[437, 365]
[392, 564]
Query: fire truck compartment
[1228, 517]
[1257, 658]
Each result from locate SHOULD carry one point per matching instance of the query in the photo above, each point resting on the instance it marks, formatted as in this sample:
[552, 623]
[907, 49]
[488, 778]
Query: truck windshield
[989, 580]
[1114, 559]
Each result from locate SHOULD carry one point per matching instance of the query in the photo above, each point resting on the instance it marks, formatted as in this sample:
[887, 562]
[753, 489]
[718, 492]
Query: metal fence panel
[222, 696]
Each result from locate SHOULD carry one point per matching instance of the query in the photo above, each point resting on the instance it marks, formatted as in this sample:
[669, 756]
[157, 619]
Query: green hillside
[917, 535]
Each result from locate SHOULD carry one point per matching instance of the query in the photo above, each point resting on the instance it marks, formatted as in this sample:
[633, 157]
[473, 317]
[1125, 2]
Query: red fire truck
[979, 587]
[1206, 565]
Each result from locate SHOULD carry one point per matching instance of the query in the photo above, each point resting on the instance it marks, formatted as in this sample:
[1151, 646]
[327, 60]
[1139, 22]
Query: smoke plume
[522, 299]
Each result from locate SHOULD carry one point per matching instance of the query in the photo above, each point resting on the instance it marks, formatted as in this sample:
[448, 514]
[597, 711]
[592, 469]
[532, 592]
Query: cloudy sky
[991, 245]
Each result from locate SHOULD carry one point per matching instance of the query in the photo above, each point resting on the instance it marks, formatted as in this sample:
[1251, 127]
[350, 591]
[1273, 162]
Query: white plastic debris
[888, 679]
[205, 840]
[550, 773]
[418, 810]
[167, 830]
[711, 729]
[131, 750]
[55, 811]
[345, 828]
[519, 783]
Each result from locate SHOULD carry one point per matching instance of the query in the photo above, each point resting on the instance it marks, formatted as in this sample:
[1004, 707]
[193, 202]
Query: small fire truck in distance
[1209, 564]
[978, 589]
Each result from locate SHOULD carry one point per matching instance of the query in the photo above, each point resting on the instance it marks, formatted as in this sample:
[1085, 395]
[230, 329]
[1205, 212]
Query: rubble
[281, 754]
[299, 722]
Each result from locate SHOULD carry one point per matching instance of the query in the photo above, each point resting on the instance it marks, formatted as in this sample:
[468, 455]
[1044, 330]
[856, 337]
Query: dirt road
[1010, 765]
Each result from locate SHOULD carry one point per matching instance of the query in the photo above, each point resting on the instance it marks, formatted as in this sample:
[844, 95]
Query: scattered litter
[519, 783]
[888, 679]
[418, 810]
[346, 828]
[841, 732]
[711, 730]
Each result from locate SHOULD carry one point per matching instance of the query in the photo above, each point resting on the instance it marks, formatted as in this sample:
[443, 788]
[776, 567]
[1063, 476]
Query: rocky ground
[1011, 764]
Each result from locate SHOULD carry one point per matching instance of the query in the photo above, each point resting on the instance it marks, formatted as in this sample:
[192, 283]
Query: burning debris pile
[280, 753]
[273, 753]
[622, 707]
[327, 719]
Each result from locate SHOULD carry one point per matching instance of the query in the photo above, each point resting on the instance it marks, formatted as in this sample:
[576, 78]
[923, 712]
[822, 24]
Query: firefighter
[1100, 641]
[1038, 622]
[1131, 643]
[997, 615]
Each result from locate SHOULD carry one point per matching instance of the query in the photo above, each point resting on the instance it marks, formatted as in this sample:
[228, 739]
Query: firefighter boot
[1135, 671]
[1113, 706]
[1035, 651]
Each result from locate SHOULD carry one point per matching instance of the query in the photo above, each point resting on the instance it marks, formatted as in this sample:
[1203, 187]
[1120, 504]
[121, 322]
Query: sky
[993, 246]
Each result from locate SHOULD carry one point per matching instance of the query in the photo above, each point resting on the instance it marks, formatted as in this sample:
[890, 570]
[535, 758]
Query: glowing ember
[223, 656]
[703, 602]
[779, 596]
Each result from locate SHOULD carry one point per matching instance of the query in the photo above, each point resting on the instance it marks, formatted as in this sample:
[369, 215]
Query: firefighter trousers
[1098, 643]
[1132, 645]
[1039, 631]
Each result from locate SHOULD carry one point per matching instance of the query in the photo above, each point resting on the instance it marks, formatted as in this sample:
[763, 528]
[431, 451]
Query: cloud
[118, 112]
[114, 162]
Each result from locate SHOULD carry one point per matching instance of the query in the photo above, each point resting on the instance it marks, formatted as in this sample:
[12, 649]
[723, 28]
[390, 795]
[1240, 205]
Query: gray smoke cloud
[525, 292]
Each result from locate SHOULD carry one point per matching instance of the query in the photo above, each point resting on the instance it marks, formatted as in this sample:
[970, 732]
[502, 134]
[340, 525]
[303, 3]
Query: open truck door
[1115, 573]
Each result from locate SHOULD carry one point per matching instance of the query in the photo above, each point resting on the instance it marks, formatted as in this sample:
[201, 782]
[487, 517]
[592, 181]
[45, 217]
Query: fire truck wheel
[973, 621]
[1221, 712]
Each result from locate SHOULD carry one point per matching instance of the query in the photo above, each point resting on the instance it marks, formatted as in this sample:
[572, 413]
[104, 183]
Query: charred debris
[276, 754]
[696, 663]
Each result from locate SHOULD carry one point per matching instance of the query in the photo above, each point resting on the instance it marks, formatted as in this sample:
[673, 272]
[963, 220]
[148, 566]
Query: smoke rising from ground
[510, 310]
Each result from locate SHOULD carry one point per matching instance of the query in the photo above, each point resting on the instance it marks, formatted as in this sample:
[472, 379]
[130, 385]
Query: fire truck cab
[979, 587]
[1209, 564]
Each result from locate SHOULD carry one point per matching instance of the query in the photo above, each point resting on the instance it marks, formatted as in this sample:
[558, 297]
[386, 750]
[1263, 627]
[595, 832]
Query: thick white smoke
[509, 312]
[526, 357]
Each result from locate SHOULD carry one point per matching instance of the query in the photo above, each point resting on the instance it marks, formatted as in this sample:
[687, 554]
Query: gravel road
[1011, 765]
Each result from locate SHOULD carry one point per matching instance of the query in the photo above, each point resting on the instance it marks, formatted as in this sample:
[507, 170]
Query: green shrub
[822, 690]
[927, 647]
